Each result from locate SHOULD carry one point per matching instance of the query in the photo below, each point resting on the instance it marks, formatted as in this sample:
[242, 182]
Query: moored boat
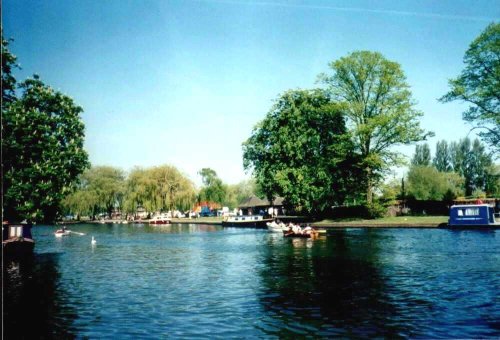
[17, 239]
[160, 219]
[275, 227]
[473, 216]
[252, 221]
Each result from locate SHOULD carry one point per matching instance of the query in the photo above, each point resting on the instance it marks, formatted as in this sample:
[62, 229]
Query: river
[200, 281]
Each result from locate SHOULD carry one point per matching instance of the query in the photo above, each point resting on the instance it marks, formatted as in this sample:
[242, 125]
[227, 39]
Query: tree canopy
[160, 188]
[42, 145]
[101, 189]
[43, 151]
[301, 151]
[238, 193]
[8, 80]
[213, 189]
[479, 85]
[442, 158]
[378, 103]
[422, 155]
[427, 183]
[463, 168]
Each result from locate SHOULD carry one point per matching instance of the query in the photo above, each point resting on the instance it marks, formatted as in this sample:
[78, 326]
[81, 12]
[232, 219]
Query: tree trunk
[369, 192]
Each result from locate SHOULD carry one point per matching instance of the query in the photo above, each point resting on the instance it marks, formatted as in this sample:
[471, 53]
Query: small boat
[160, 219]
[305, 234]
[252, 221]
[62, 232]
[473, 216]
[276, 227]
[17, 239]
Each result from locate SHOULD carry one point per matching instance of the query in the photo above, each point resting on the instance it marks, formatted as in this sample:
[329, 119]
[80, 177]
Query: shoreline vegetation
[386, 222]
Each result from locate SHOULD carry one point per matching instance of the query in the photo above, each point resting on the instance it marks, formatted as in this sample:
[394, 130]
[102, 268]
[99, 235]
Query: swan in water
[93, 242]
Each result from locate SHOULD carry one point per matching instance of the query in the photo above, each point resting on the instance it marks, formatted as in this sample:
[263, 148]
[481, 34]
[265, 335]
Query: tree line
[458, 169]
[104, 189]
[333, 145]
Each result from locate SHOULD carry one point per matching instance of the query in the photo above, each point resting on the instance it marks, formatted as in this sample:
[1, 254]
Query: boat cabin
[16, 230]
[473, 215]
[17, 239]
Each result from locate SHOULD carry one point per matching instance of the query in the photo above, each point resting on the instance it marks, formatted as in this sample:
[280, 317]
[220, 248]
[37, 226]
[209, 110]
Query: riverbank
[386, 222]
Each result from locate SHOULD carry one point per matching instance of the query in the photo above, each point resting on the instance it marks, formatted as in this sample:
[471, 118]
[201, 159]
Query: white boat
[160, 219]
[61, 232]
[276, 227]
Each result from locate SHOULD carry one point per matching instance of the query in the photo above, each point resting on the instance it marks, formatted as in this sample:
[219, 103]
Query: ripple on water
[198, 281]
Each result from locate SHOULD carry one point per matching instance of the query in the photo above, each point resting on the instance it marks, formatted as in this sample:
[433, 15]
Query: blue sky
[184, 82]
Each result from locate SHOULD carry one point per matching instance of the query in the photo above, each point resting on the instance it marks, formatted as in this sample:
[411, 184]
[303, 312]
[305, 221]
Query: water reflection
[329, 287]
[32, 297]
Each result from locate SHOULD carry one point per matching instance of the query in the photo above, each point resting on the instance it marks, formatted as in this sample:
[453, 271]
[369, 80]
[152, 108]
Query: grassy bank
[400, 221]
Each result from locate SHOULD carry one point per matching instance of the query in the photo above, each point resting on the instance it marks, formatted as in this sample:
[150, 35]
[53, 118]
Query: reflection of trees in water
[332, 286]
[32, 301]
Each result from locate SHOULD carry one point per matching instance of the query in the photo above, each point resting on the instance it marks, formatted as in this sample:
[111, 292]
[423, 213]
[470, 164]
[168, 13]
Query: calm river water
[188, 281]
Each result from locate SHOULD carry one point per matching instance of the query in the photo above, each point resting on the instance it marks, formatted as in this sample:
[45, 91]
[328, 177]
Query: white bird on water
[93, 242]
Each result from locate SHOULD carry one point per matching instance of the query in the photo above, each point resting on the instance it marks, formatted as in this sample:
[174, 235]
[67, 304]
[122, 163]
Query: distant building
[207, 205]
[141, 213]
[255, 206]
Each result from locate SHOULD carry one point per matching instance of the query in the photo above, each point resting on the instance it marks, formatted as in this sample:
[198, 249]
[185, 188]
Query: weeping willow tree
[139, 191]
[100, 189]
[158, 188]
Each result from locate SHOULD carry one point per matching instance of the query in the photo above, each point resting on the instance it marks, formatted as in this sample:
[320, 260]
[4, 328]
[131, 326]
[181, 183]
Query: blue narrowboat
[473, 216]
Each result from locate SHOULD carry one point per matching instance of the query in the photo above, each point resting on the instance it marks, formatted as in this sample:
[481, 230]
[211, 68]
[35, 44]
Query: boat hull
[247, 223]
[159, 222]
[473, 226]
[18, 246]
[61, 233]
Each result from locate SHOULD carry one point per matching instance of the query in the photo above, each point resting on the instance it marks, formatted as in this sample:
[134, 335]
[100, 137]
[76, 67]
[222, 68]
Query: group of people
[296, 229]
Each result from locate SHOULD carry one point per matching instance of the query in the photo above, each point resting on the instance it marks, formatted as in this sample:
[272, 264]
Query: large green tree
[479, 85]
[378, 104]
[43, 155]
[213, 188]
[174, 189]
[159, 188]
[427, 183]
[301, 151]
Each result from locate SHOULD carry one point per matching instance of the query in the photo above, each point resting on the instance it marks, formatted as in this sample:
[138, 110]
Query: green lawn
[400, 220]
